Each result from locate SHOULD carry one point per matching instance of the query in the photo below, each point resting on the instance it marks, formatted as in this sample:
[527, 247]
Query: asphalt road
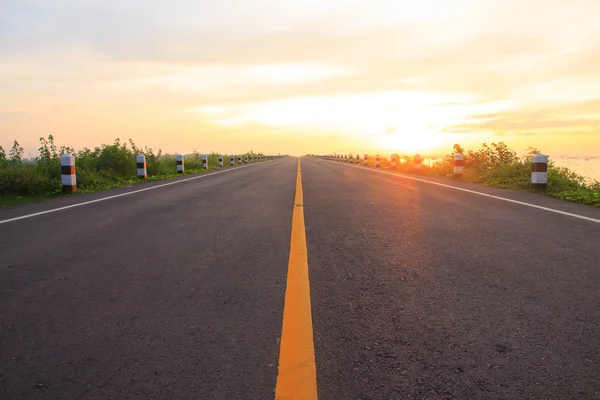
[418, 291]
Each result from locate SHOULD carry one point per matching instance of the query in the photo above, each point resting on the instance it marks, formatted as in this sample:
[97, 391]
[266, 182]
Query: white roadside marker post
[459, 164]
[204, 161]
[142, 171]
[539, 171]
[220, 160]
[377, 161]
[232, 160]
[180, 163]
[418, 161]
[394, 161]
[366, 160]
[68, 173]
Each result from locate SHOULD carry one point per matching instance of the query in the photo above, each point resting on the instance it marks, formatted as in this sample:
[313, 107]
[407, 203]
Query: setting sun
[410, 142]
[341, 77]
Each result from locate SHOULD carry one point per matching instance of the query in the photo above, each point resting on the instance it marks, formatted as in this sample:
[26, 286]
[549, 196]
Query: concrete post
[142, 171]
[418, 161]
[180, 163]
[459, 164]
[204, 161]
[539, 172]
[394, 160]
[68, 173]
[377, 161]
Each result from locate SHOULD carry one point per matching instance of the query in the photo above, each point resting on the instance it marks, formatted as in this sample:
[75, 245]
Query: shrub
[101, 168]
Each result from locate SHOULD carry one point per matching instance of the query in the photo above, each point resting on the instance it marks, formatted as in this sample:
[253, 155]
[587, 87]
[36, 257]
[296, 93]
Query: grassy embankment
[104, 167]
[498, 166]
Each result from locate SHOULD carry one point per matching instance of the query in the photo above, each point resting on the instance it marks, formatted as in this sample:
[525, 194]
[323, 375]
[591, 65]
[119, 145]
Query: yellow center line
[297, 378]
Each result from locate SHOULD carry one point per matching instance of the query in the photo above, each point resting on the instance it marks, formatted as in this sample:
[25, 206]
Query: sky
[297, 77]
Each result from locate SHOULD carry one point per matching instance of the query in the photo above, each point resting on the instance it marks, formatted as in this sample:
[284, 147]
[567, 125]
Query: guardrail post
[68, 173]
[418, 161]
[142, 171]
[204, 161]
[539, 171]
[180, 163]
[459, 164]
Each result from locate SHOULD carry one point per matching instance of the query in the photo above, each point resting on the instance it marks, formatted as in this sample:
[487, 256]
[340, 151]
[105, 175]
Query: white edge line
[203, 175]
[474, 192]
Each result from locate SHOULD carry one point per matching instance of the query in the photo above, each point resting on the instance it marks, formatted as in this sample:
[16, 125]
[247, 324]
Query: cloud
[554, 119]
[484, 66]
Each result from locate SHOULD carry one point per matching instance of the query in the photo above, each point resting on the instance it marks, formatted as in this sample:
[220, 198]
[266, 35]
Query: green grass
[104, 167]
[13, 200]
[498, 166]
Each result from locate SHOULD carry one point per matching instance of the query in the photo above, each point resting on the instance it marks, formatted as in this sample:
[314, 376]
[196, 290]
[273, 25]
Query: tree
[16, 154]
[458, 149]
[2, 157]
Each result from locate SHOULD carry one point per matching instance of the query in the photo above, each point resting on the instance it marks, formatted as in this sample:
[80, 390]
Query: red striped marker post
[539, 171]
[459, 164]
[142, 171]
[204, 161]
[394, 161]
[68, 173]
[418, 161]
[180, 163]
[377, 161]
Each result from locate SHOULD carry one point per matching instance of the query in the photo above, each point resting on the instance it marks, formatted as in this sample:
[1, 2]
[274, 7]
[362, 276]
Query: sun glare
[411, 141]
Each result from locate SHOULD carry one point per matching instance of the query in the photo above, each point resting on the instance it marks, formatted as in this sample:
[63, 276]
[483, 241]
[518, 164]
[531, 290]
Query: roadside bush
[106, 166]
[498, 166]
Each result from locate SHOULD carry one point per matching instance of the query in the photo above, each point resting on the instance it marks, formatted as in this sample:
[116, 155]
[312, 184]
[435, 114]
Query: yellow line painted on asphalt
[297, 378]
